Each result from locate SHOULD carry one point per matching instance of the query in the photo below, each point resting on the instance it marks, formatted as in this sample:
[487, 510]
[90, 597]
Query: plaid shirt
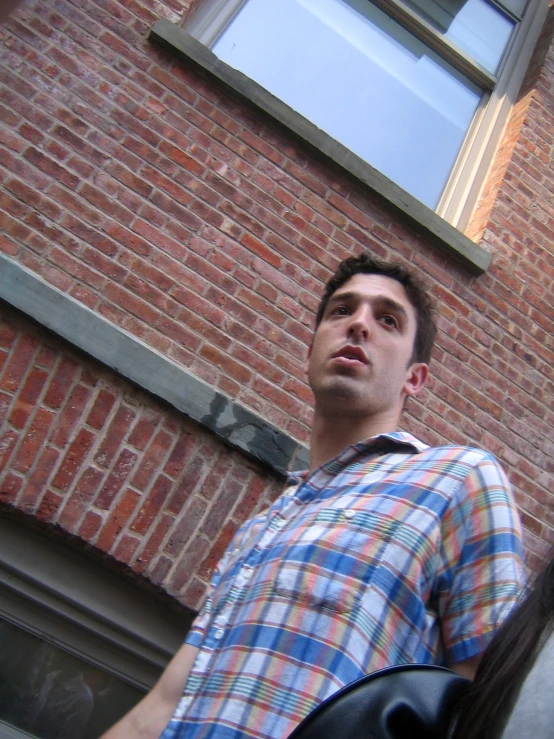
[393, 552]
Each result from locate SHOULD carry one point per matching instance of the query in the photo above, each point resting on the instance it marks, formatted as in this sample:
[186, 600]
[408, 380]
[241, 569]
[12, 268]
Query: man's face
[359, 362]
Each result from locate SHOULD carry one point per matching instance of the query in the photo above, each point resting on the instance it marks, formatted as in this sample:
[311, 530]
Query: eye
[389, 320]
[339, 310]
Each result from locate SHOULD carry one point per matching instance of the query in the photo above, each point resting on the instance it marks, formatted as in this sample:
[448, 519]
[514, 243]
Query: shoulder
[476, 469]
[466, 455]
[454, 455]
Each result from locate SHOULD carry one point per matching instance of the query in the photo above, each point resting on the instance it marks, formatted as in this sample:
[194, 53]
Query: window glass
[478, 28]
[481, 31]
[515, 6]
[51, 694]
[363, 79]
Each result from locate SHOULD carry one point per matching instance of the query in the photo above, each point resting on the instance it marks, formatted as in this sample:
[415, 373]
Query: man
[384, 552]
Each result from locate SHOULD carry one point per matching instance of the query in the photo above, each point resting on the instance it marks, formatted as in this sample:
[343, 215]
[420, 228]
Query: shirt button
[219, 634]
[349, 513]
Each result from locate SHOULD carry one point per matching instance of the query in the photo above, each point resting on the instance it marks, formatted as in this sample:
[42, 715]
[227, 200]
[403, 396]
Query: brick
[179, 455]
[210, 562]
[141, 268]
[46, 357]
[154, 543]
[182, 534]
[10, 487]
[173, 245]
[70, 415]
[142, 432]
[153, 504]
[73, 460]
[117, 431]
[127, 178]
[90, 526]
[215, 521]
[236, 370]
[5, 403]
[153, 458]
[49, 506]
[105, 204]
[181, 158]
[187, 565]
[178, 332]
[51, 168]
[33, 440]
[61, 382]
[126, 300]
[7, 445]
[117, 519]
[126, 548]
[196, 471]
[119, 475]
[159, 573]
[28, 396]
[18, 365]
[83, 493]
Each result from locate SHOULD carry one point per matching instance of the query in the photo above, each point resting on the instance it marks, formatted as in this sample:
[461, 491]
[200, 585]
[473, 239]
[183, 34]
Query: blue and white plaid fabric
[391, 553]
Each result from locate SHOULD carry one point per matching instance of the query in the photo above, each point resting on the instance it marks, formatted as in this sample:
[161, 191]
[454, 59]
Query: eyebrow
[382, 301]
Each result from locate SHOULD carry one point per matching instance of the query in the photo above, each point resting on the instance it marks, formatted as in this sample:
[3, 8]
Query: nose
[360, 324]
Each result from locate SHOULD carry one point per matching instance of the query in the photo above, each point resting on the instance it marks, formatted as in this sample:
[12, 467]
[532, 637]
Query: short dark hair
[365, 263]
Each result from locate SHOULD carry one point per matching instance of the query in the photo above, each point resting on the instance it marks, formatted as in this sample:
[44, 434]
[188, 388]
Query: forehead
[374, 287]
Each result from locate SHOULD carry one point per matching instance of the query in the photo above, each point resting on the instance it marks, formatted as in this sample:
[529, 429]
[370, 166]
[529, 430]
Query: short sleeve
[481, 569]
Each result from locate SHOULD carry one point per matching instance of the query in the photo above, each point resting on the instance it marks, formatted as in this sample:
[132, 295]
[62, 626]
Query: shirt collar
[396, 441]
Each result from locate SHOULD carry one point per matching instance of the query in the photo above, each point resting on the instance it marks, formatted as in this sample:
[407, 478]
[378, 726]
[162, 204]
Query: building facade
[169, 221]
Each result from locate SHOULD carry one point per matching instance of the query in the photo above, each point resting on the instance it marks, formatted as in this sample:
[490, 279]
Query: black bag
[402, 702]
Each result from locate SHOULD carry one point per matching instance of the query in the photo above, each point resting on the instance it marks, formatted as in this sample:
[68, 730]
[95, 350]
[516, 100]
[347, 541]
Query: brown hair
[418, 296]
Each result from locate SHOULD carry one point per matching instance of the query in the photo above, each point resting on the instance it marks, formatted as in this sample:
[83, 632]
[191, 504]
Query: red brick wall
[148, 192]
[84, 450]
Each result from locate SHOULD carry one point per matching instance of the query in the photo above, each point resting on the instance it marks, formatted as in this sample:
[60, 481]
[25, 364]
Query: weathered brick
[180, 537]
[27, 397]
[119, 475]
[154, 543]
[154, 456]
[33, 440]
[117, 431]
[71, 414]
[117, 519]
[7, 445]
[73, 460]
[18, 365]
[57, 390]
[153, 504]
[10, 487]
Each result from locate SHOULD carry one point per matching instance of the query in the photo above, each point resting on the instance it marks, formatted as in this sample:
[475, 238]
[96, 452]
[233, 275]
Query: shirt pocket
[331, 563]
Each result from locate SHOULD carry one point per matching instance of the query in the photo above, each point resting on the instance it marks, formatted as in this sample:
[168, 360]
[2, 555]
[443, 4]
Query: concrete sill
[148, 369]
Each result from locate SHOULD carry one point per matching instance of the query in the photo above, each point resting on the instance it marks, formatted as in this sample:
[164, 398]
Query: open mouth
[351, 354]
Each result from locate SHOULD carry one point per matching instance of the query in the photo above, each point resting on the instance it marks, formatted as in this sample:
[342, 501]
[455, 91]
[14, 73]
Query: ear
[416, 377]
[308, 356]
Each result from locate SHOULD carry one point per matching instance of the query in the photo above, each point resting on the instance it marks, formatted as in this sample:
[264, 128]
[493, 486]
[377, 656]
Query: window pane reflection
[52, 694]
[481, 31]
[363, 79]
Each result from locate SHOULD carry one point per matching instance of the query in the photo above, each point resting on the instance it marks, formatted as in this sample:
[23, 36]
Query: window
[419, 89]
[79, 645]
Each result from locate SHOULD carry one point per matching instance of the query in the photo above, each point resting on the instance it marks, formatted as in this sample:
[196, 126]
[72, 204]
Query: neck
[330, 435]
